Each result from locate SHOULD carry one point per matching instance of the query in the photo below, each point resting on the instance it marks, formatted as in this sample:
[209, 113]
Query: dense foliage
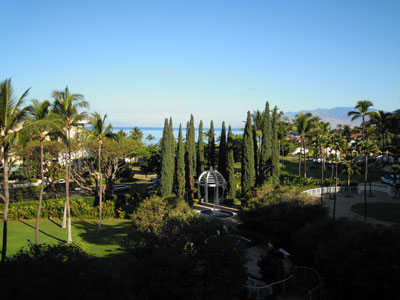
[357, 261]
[81, 207]
[279, 212]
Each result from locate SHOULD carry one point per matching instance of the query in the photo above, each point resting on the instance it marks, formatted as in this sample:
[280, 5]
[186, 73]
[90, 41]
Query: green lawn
[380, 211]
[84, 232]
[291, 165]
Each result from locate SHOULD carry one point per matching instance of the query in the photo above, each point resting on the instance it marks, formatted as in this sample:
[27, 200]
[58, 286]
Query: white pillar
[198, 192]
[206, 187]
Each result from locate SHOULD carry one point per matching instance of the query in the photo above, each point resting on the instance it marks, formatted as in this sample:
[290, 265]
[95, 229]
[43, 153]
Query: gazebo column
[198, 192]
[216, 200]
[206, 188]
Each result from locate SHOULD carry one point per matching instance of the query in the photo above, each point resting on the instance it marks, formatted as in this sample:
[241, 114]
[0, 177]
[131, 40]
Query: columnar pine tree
[275, 149]
[189, 171]
[222, 154]
[248, 173]
[230, 168]
[200, 151]
[171, 135]
[193, 143]
[211, 146]
[266, 145]
[256, 155]
[180, 167]
[167, 162]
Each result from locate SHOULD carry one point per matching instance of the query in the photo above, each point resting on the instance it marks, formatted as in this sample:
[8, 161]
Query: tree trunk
[305, 164]
[67, 207]
[6, 203]
[40, 194]
[100, 188]
[334, 201]
[322, 178]
[365, 188]
[300, 162]
[64, 222]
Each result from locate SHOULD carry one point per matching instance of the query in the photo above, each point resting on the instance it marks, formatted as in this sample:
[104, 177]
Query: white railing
[316, 291]
[260, 292]
[376, 187]
[330, 190]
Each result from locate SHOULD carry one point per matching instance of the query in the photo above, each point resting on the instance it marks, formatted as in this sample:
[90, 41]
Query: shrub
[268, 194]
[153, 212]
[281, 219]
[81, 207]
[271, 266]
[360, 261]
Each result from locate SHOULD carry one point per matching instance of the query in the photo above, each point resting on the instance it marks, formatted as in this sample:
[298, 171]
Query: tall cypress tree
[248, 172]
[256, 154]
[193, 143]
[171, 135]
[266, 147]
[230, 168]
[275, 168]
[189, 172]
[222, 153]
[211, 146]
[167, 162]
[180, 167]
[200, 151]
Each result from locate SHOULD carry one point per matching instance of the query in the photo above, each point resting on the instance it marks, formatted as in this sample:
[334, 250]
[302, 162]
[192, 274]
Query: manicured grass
[380, 211]
[291, 165]
[84, 232]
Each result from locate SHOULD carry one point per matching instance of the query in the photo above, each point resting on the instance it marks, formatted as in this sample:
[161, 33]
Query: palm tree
[382, 121]
[362, 112]
[40, 126]
[322, 133]
[339, 145]
[350, 168]
[98, 133]
[302, 125]
[12, 116]
[150, 138]
[66, 106]
[136, 134]
[366, 147]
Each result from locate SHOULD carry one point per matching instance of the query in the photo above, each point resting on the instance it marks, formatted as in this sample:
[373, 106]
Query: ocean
[157, 132]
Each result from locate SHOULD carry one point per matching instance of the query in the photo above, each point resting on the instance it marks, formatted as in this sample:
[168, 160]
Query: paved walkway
[344, 203]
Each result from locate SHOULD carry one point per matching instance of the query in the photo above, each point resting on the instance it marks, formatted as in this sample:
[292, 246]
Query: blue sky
[142, 61]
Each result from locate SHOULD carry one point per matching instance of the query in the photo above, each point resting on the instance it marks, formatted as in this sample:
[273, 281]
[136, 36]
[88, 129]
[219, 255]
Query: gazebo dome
[211, 178]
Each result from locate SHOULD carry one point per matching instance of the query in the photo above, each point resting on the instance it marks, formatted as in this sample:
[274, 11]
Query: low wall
[374, 186]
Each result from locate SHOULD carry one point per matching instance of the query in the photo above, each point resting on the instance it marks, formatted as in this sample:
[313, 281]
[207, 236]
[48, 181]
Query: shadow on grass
[41, 231]
[52, 221]
[108, 234]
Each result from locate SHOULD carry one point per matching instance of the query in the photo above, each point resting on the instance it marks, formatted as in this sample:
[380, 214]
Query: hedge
[81, 207]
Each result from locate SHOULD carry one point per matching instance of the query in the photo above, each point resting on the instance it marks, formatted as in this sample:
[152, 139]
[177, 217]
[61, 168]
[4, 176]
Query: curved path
[344, 203]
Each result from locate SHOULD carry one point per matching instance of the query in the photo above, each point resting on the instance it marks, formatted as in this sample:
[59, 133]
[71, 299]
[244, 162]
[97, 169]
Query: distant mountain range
[335, 116]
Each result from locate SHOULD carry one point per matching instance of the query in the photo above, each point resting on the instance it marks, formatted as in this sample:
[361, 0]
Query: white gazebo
[214, 179]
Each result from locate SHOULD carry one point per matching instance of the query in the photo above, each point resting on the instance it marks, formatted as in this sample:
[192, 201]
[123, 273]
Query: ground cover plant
[81, 207]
